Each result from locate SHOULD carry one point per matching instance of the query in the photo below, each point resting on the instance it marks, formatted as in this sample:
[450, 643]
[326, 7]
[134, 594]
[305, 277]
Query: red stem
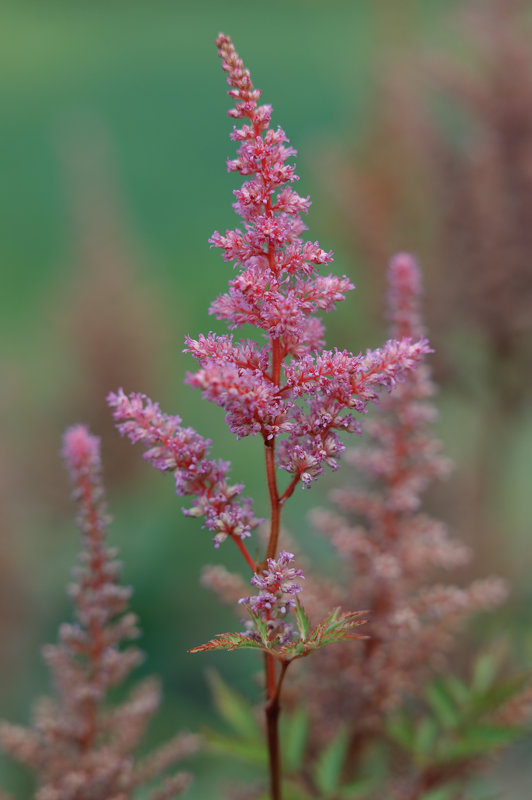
[274, 499]
[289, 491]
[270, 675]
[273, 707]
[243, 549]
[270, 461]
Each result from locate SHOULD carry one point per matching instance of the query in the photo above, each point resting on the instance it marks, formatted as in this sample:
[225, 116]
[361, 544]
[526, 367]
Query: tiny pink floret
[278, 585]
[81, 451]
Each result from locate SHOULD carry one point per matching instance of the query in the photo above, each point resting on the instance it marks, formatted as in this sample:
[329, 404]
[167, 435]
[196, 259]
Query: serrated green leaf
[252, 752]
[333, 629]
[294, 650]
[328, 769]
[337, 627]
[228, 641]
[262, 629]
[303, 622]
[233, 707]
[325, 626]
[443, 704]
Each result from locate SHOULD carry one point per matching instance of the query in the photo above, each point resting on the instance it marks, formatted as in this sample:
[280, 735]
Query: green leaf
[333, 629]
[294, 734]
[262, 629]
[497, 695]
[328, 769]
[459, 691]
[295, 649]
[425, 737]
[484, 738]
[477, 740]
[233, 707]
[252, 752]
[443, 705]
[358, 790]
[401, 730]
[228, 641]
[484, 673]
[303, 622]
[337, 627]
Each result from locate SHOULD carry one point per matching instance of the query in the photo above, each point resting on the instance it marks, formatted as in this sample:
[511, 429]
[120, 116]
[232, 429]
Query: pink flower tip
[405, 274]
[81, 450]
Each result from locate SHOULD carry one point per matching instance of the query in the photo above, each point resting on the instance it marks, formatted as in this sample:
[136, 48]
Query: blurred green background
[113, 140]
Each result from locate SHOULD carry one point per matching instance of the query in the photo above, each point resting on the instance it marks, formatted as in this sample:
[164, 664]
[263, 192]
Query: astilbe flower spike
[289, 391]
[278, 585]
[390, 549]
[264, 389]
[79, 747]
[286, 387]
[173, 448]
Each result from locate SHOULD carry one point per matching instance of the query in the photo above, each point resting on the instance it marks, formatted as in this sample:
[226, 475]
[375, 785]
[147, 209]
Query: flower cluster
[182, 451]
[277, 290]
[278, 585]
[79, 747]
[286, 386]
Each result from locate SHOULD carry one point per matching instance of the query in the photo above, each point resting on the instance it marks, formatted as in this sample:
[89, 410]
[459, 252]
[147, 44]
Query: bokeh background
[413, 123]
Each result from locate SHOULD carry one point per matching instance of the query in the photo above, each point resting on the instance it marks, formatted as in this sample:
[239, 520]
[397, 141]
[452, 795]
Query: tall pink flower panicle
[182, 451]
[81, 452]
[278, 584]
[405, 287]
[81, 747]
[286, 387]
